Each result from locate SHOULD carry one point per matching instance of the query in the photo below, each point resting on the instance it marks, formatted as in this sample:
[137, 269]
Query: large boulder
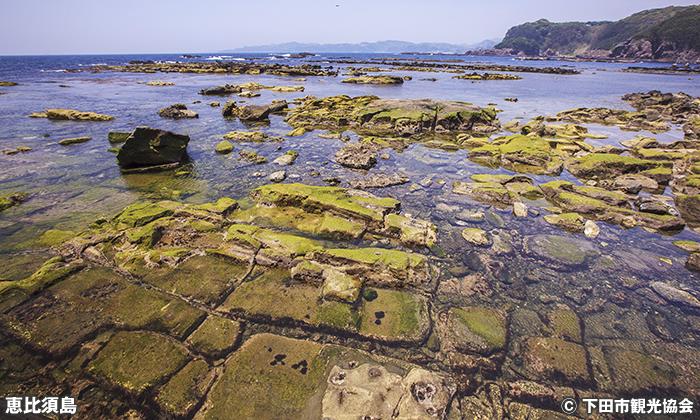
[148, 146]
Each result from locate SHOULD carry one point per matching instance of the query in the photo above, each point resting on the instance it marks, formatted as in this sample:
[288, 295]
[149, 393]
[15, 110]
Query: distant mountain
[388, 47]
[668, 34]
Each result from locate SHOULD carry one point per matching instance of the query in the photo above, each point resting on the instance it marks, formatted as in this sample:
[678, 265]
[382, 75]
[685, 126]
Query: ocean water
[72, 186]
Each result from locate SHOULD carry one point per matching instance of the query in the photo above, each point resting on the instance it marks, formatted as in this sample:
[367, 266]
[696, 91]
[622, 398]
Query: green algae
[636, 372]
[255, 384]
[138, 360]
[271, 296]
[566, 325]
[140, 214]
[216, 335]
[560, 248]
[185, 390]
[485, 323]
[224, 147]
[395, 316]
[205, 279]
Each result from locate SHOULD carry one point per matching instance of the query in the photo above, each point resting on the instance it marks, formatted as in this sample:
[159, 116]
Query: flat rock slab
[475, 330]
[379, 181]
[269, 377]
[553, 359]
[138, 360]
[675, 295]
[562, 252]
[73, 115]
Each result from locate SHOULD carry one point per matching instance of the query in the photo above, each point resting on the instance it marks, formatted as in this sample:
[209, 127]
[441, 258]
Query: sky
[37, 27]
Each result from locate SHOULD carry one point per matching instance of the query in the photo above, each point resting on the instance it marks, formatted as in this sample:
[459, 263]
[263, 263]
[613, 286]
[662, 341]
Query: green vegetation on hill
[680, 25]
[622, 30]
[683, 29]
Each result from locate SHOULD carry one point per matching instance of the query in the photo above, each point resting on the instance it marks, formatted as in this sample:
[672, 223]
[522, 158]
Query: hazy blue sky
[177, 26]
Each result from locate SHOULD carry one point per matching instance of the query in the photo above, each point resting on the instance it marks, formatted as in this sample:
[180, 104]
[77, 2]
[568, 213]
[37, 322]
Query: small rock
[332, 181]
[520, 210]
[284, 160]
[591, 229]
[225, 147]
[384, 156]
[278, 176]
[475, 236]
[693, 262]
[177, 111]
[75, 140]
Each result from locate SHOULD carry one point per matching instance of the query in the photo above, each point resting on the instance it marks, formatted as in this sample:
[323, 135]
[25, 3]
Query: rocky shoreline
[304, 301]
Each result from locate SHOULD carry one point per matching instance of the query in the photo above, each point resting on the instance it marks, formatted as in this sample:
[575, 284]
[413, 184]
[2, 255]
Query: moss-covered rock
[75, 140]
[250, 136]
[398, 116]
[10, 200]
[570, 222]
[609, 166]
[375, 80]
[215, 336]
[687, 246]
[476, 330]
[633, 121]
[270, 377]
[475, 236]
[73, 115]
[566, 325]
[224, 148]
[252, 157]
[637, 372]
[138, 360]
[117, 137]
[184, 391]
[396, 316]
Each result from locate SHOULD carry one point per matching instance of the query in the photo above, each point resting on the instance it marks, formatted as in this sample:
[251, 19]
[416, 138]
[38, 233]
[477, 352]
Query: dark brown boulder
[148, 146]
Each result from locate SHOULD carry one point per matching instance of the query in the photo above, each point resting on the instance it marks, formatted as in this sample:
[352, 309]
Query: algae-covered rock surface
[398, 116]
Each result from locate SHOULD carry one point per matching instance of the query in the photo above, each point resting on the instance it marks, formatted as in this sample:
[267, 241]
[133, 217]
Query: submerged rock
[379, 181]
[475, 330]
[252, 157]
[10, 200]
[556, 360]
[475, 236]
[561, 252]
[675, 295]
[148, 146]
